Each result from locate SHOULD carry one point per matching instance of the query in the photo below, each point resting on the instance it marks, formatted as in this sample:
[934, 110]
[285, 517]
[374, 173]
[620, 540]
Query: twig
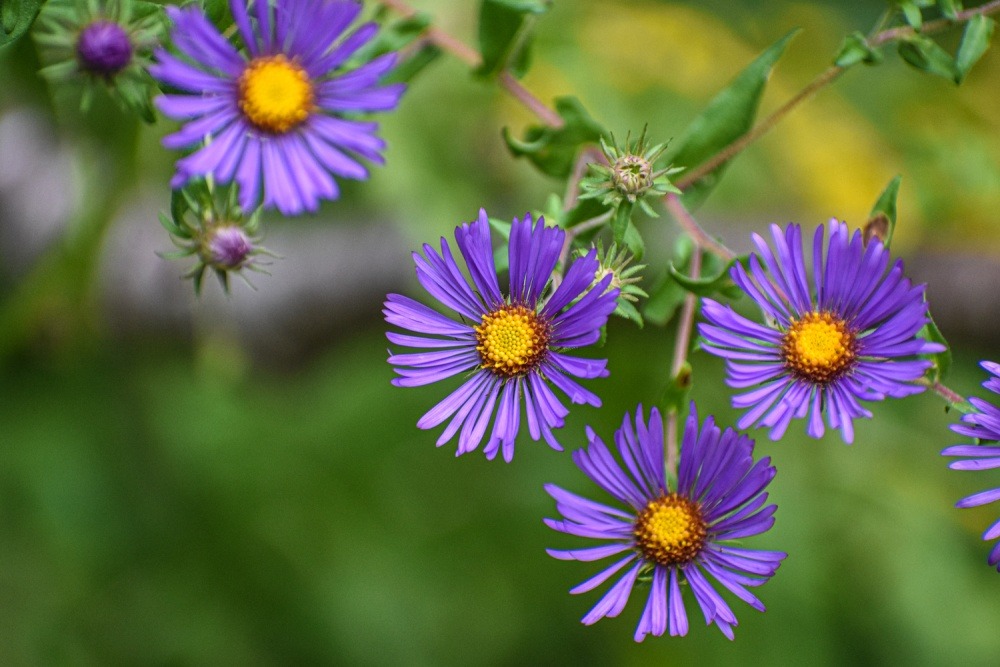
[691, 226]
[681, 344]
[471, 57]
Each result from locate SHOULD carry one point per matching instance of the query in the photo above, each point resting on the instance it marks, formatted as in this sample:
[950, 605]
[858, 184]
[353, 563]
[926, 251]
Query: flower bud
[103, 48]
[227, 247]
[632, 176]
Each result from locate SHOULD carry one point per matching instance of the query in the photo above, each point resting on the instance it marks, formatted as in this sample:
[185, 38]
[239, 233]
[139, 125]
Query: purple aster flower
[984, 425]
[508, 347]
[273, 114]
[669, 536]
[847, 330]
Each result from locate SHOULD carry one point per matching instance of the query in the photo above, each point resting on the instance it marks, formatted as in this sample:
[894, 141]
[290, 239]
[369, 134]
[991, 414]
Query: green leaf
[855, 49]
[912, 14]
[16, 16]
[975, 41]
[728, 116]
[710, 286]
[505, 34]
[502, 226]
[666, 295]
[627, 310]
[950, 9]
[882, 219]
[553, 150]
[634, 243]
[924, 54]
[941, 360]
[620, 221]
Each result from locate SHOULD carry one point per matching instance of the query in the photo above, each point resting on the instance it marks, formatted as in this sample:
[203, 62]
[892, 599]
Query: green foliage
[553, 150]
[924, 54]
[728, 116]
[941, 360]
[855, 49]
[950, 8]
[394, 36]
[675, 394]
[882, 219]
[505, 34]
[718, 280]
[16, 16]
[975, 41]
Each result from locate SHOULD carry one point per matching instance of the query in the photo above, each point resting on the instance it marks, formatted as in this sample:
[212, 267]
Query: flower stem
[685, 325]
[456, 47]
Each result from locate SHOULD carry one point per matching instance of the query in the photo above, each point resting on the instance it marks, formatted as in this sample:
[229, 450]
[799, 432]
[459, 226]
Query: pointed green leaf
[16, 16]
[708, 286]
[924, 54]
[941, 360]
[505, 34]
[553, 150]
[975, 41]
[912, 14]
[728, 116]
[627, 310]
[882, 219]
[634, 243]
[855, 49]
[620, 221]
[950, 9]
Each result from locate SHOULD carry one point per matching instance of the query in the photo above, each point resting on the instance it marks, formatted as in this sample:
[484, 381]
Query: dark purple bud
[104, 48]
[229, 247]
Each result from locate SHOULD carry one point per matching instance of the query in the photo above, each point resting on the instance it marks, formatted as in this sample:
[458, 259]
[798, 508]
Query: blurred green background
[234, 481]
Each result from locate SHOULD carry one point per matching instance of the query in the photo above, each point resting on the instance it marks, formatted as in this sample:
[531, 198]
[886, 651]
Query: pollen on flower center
[275, 94]
[670, 530]
[819, 347]
[511, 340]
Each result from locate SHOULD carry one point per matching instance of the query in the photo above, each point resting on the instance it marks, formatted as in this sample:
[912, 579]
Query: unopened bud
[228, 247]
[632, 176]
[104, 48]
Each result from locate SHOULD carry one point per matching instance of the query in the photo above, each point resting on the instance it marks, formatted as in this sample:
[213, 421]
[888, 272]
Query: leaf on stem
[676, 392]
[717, 283]
[882, 219]
[728, 117]
[924, 54]
[553, 150]
[975, 41]
[505, 34]
[855, 49]
[941, 360]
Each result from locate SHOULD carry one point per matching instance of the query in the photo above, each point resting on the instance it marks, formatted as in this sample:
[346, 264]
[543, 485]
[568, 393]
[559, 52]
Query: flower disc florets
[512, 340]
[819, 347]
[670, 530]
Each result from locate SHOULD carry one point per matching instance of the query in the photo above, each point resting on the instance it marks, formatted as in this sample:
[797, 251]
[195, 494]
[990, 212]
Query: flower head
[108, 45]
[509, 346]
[214, 231]
[672, 535]
[630, 174]
[983, 424]
[273, 112]
[845, 331]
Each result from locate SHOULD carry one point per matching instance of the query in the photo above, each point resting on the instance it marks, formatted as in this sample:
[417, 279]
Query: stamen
[275, 94]
[512, 340]
[670, 530]
[819, 348]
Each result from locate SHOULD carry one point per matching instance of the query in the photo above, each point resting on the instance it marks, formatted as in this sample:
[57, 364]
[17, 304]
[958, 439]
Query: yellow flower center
[275, 94]
[511, 340]
[670, 530]
[819, 348]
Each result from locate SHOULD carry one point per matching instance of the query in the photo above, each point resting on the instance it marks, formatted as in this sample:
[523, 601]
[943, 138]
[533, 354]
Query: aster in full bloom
[844, 331]
[509, 347]
[274, 113]
[102, 44]
[984, 425]
[668, 536]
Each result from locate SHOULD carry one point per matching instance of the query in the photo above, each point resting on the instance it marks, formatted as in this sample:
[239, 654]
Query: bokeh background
[232, 480]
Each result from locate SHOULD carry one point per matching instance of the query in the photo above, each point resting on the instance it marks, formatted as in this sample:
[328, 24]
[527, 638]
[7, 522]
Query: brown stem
[827, 77]
[691, 226]
[451, 44]
[947, 394]
[681, 344]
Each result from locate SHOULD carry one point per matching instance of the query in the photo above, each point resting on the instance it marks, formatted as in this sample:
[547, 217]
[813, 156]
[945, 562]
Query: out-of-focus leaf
[553, 150]
[728, 116]
[393, 38]
[912, 14]
[925, 55]
[633, 241]
[975, 41]
[666, 295]
[855, 49]
[627, 310]
[504, 34]
[950, 8]
[502, 226]
[16, 16]
[941, 360]
[882, 219]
